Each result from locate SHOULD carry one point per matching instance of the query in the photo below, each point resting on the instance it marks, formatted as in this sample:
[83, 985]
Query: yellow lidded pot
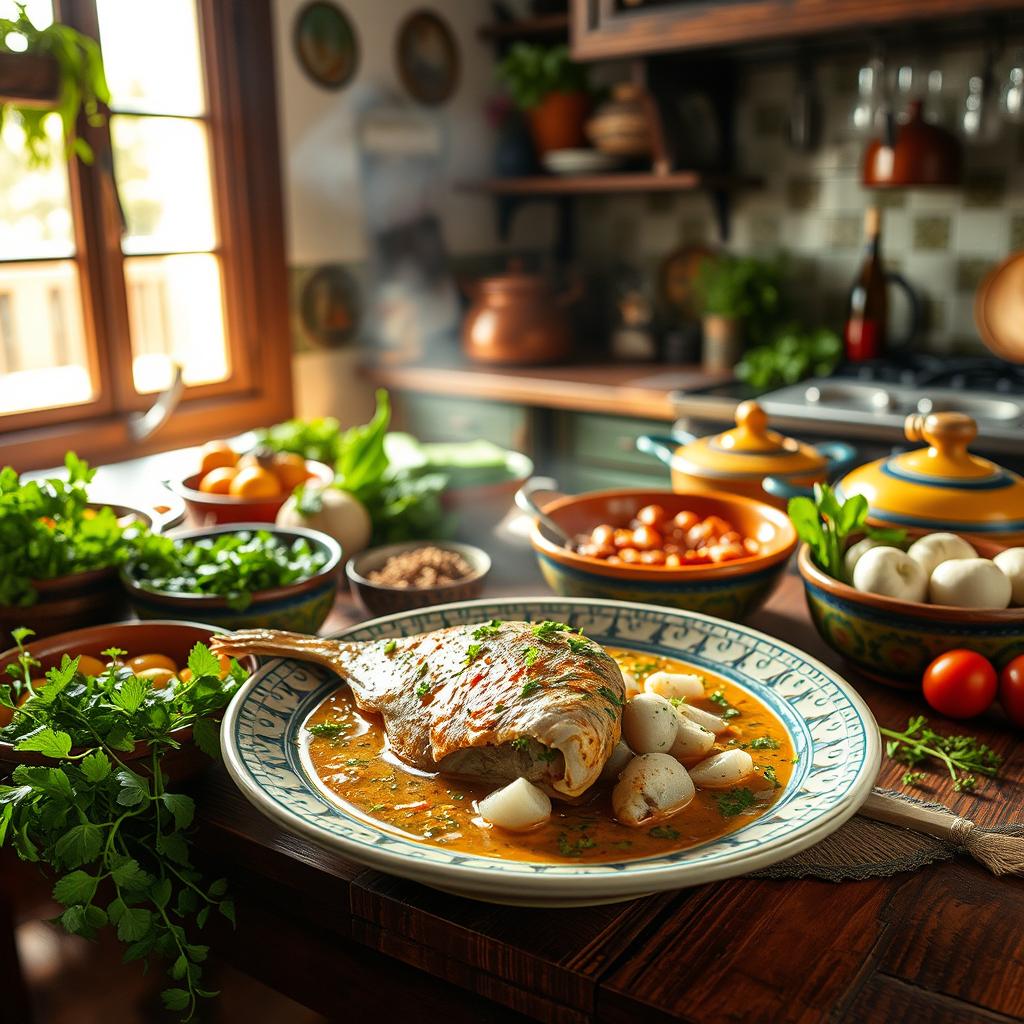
[738, 460]
[943, 486]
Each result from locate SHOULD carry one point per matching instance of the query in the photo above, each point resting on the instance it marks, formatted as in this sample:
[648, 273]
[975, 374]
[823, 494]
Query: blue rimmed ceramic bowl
[300, 607]
[832, 731]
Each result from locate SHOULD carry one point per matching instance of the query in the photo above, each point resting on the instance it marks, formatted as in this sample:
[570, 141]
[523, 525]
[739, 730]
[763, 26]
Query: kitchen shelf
[512, 192]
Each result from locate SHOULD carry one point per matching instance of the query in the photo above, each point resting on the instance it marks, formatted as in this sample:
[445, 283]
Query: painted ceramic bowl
[175, 639]
[894, 641]
[832, 732]
[728, 589]
[377, 599]
[481, 507]
[301, 607]
[210, 509]
[77, 599]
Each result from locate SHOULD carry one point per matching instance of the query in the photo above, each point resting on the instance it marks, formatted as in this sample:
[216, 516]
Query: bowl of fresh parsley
[236, 576]
[60, 552]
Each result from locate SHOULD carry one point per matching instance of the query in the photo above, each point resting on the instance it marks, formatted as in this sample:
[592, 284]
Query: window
[167, 251]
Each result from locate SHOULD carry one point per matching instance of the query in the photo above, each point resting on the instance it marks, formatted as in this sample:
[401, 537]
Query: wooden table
[944, 944]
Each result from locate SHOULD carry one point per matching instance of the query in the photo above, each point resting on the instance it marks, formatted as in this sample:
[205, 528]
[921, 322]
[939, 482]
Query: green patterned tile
[845, 231]
[889, 198]
[932, 233]
[803, 193]
[970, 272]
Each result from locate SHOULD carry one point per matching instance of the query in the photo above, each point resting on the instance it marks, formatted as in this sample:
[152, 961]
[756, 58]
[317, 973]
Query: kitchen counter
[937, 944]
[622, 389]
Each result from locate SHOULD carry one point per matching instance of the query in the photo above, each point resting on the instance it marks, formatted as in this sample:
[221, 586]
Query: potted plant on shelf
[741, 301]
[51, 70]
[553, 91]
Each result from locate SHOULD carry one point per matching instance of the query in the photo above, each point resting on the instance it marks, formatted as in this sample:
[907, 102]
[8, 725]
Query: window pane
[35, 210]
[176, 314]
[162, 166]
[151, 55]
[43, 356]
[40, 12]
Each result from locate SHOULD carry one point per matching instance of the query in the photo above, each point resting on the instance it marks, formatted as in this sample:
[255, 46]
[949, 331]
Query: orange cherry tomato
[158, 677]
[960, 683]
[655, 557]
[290, 470]
[673, 561]
[629, 555]
[603, 535]
[652, 515]
[622, 538]
[219, 480]
[646, 538]
[216, 455]
[255, 482]
[143, 662]
[90, 666]
[685, 520]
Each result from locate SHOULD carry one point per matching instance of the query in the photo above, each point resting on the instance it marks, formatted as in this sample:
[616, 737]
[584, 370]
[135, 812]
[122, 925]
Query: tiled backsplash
[812, 205]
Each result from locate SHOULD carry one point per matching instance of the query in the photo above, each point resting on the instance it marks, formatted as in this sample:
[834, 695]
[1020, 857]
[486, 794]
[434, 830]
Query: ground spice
[422, 567]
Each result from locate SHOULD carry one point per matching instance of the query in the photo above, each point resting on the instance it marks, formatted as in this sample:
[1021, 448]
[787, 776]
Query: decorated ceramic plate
[292, 736]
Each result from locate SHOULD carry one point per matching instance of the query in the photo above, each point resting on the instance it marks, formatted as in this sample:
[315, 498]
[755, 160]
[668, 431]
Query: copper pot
[919, 154]
[516, 318]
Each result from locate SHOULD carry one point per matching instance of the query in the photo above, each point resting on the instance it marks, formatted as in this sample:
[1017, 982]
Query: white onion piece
[704, 719]
[678, 685]
[629, 682]
[692, 740]
[649, 724]
[723, 769]
[621, 755]
[653, 787]
[517, 807]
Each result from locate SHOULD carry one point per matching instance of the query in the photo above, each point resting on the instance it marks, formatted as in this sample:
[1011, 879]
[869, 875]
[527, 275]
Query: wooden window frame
[238, 61]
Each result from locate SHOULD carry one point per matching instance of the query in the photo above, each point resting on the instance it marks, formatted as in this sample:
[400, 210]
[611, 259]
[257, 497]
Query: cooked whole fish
[491, 702]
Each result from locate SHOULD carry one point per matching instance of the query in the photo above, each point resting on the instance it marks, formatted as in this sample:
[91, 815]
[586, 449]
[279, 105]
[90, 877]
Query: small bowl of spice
[396, 577]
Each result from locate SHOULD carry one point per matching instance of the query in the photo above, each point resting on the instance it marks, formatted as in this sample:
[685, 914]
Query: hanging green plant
[81, 85]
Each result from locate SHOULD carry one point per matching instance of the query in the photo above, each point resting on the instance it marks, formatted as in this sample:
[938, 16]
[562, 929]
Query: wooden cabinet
[444, 418]
[620, 28]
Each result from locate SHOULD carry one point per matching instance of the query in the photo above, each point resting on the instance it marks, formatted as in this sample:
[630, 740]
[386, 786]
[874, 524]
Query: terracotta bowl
[729, 589]
[175, 639]
[211, 509]
[894, 641]
[300, 607]
[78, 599]
[377, 599]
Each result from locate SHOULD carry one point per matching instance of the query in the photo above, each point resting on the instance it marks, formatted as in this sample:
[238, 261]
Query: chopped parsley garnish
[645, 668]
[912, 778]
[487, 630]
[577, 644]
[499, 707]
[547, 629]
[520, 743]
[389, 647]
[529, 687]
[423, 689]
[611, 696]
[377, 807]
[473, 651]
[547, 755]
[663, 832]
[769, 773]
[422, 670]
[330, 730]
[763, 743]
[568, 848]
[734, 801]
[531, 656]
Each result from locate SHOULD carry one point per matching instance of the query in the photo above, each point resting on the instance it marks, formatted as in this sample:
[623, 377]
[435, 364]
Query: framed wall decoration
[428, 57]
[327, 307]
[325, 44]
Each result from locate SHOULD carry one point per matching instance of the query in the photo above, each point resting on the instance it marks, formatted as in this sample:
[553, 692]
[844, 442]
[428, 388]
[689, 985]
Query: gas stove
[869, 402]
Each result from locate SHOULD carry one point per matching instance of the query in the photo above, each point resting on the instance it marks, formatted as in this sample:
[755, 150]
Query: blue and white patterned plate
[832, 731]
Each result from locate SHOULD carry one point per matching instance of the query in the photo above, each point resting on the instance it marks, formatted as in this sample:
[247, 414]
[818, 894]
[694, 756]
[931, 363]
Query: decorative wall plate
[325, 44]
[428, 58]
[832, 730]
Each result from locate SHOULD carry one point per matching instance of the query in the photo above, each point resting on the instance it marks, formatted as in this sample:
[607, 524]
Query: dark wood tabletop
[943, 944]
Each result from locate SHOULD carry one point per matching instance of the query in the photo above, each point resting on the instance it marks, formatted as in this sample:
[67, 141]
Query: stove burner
[964, 373]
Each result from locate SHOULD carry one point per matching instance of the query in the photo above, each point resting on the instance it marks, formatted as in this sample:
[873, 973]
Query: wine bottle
[867, 312]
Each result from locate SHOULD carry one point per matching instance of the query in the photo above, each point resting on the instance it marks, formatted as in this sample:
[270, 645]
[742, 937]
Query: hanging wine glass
[870, 95]
[1011, 102]
[980, 121]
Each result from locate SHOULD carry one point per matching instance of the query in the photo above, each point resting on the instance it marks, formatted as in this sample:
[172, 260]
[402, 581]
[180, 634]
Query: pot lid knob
[751, 417]
[948, 433]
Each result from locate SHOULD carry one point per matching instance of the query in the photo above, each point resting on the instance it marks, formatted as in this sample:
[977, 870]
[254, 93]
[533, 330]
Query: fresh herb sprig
[231, 565]
[47, 529]
[824, 523]
[965, 757]
[106, 824]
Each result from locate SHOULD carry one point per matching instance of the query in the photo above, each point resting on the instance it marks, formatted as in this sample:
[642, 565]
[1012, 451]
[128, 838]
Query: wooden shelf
[605, 184]
[542, 27]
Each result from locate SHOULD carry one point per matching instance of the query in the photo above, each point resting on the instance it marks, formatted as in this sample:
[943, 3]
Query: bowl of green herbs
[236, 576]
[60, 552]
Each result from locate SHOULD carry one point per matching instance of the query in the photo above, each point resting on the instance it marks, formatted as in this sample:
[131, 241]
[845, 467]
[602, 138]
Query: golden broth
[349, 758]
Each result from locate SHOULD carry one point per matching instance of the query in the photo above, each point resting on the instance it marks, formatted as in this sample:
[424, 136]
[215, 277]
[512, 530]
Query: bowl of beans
[396, 577]
[717, 553]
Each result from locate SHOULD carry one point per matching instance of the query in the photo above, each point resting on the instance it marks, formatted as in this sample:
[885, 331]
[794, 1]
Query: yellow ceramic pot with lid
[942, 486]
[738, 460]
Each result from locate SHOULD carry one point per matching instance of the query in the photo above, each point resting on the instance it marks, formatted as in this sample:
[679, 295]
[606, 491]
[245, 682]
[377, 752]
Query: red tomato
[1011, 690]
[960, 684]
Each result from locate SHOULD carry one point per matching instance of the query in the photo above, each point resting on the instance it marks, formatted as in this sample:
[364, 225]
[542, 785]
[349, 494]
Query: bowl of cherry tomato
[962, 683]
[245, 487]
[721, 554]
